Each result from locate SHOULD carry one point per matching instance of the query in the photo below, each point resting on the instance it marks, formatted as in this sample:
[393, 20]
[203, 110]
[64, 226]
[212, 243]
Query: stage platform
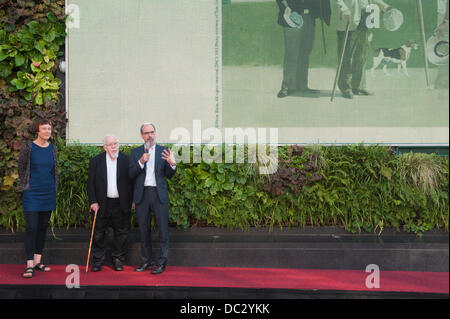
[218, 282]
[231, 264]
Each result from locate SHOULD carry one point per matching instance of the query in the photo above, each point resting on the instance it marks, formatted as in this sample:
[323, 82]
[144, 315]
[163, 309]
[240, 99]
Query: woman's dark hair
[40, 122]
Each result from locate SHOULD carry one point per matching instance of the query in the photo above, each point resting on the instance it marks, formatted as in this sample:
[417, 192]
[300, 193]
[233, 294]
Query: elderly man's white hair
[109, 135]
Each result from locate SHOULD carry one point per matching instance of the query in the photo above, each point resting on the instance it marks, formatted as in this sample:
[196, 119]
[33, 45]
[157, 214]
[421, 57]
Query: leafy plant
[27, 56]
[421, 170]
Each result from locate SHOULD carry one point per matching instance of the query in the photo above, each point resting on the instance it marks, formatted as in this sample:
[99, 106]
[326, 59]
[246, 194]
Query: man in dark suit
[150, 165]
[299, 42]
[110, 194]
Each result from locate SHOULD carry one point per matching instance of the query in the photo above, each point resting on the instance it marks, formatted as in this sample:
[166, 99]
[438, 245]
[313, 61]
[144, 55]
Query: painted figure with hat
[298, 19]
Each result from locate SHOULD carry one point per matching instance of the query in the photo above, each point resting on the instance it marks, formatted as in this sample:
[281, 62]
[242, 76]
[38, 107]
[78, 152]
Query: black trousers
[36, 231]
[298, 45]
[353, 72]
[121, 226]
[150, 203]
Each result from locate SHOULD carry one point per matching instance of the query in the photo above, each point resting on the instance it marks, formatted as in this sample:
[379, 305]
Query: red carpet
[299, 279]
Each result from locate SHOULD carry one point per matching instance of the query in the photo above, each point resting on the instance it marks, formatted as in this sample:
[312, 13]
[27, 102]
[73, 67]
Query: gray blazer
[24, 166]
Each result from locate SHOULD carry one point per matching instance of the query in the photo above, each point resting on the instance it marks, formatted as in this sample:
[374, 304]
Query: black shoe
[118, 266]
[362, 92]
[145, 266]
[159, 269]
[97, 267]
[283, 93]
[348, 95]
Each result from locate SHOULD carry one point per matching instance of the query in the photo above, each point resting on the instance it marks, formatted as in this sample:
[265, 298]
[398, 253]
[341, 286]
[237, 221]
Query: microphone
[147, 147]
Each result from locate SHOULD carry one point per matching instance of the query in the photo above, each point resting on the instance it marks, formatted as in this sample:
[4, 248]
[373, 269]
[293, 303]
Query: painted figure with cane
[109, 190]
[353, 35]
[38, 174]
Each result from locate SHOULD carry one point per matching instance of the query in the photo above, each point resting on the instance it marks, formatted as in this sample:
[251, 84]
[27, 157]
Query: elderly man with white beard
[110, 195]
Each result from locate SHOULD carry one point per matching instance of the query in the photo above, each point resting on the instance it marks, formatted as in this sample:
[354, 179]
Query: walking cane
[90, 243]
[323, 29]
[424, 43]
[338, 73]
[323, 40]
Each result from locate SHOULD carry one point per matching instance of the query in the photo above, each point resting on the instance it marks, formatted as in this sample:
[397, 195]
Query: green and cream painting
[221, 62]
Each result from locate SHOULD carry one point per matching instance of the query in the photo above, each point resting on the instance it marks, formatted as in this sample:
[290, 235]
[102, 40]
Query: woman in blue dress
[38, 176]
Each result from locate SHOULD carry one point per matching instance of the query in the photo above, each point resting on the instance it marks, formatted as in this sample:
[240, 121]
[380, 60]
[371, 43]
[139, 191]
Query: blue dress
[41, 196]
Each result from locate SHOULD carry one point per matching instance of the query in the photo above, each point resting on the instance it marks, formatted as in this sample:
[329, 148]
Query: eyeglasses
[148, 133]
[112, 144]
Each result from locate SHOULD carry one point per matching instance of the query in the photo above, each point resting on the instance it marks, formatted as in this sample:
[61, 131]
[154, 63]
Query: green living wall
[360, 188]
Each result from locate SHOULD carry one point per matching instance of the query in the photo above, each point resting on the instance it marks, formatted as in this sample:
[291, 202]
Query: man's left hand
[168, 156]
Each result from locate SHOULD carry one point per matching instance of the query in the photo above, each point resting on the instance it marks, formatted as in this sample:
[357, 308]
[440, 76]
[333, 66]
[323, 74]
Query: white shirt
[150, 179]
[111, 173]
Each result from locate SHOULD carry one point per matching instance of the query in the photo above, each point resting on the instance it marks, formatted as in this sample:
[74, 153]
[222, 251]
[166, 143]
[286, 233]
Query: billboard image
[284, 64]
[262, 55]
